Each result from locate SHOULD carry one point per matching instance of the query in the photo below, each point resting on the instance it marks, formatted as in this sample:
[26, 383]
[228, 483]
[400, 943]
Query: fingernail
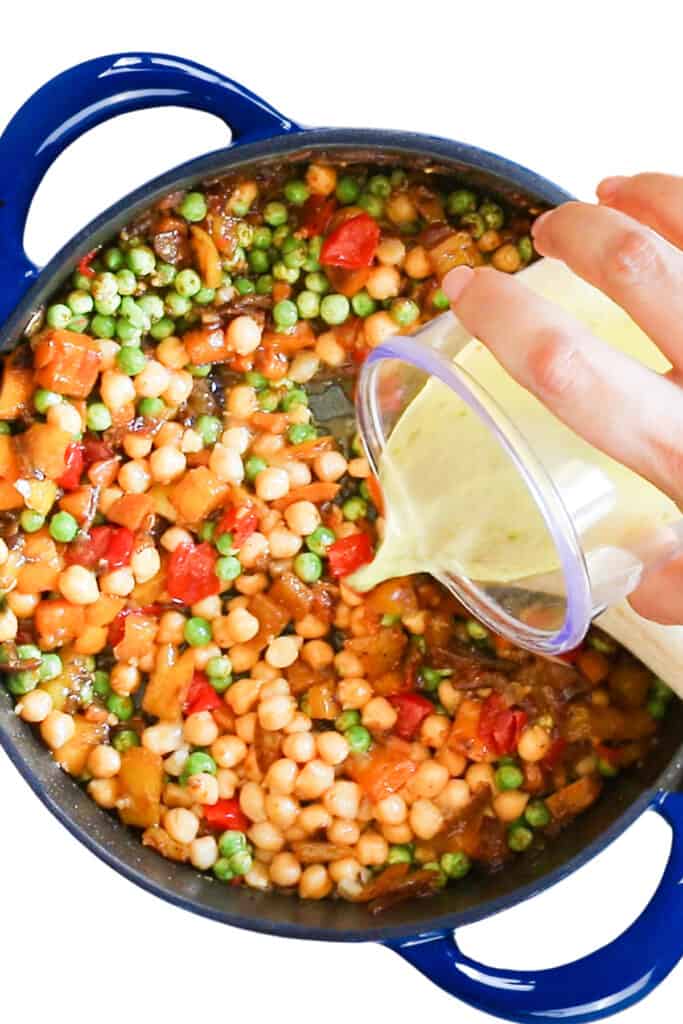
[608, 188]
[455, 282]
[539, 220]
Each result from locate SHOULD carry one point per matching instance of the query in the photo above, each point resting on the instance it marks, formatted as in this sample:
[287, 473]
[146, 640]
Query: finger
[629, 262]
[614, 402]
[660, 596]
[652, 199]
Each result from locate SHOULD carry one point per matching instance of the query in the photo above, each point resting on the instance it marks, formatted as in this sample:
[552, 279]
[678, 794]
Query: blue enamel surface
[589, 989]
[81, 98]
[57, 115]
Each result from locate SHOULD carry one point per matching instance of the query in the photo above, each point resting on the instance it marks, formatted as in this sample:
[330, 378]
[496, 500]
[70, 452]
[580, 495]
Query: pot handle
[589, 989]
[86, 95]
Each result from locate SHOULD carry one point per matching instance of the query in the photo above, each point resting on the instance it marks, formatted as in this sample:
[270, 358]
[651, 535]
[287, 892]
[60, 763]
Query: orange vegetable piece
[131, 510]
[347, 282]
[104, 472]
[43, 448]
[42, 566]
[317, 493]
[169, 683]
[574, 798]
[298, 337]
[58, 621]
[322, 702]
[206, 255]
[593, 665]
[139, 632]
[9, 469]
[92, 640]
[17, 388]
[67, 363]
[207, 345]
[395, 597]
[198, 493]
[281, 290]
[273, 422]
[385, 770]
[104, 610]
[464, 737]
[73, 755]
[79, 503]
[141, 781]
[9, 497]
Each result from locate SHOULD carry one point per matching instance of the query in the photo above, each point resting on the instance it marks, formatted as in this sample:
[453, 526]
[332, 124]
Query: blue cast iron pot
[421, 931]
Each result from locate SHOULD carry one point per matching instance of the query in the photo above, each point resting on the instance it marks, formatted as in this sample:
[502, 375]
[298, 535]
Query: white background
[574, 91]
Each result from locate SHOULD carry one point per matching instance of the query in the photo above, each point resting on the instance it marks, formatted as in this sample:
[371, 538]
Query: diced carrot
[17, 389]
[9, 497]
[317, 493]
[169, 683]
[67, 363]
[298, 337]
[149, 592]
[273, 422]
[375, 492]
[79, 503]
[73, 754]
[308, 450]
[201, 458]
[207, 345]
[206, 254]
[573, 799]
[281, 290]
[9, 470]
[103, 472]
[348, 282]
[139, 632]
[131, 510]
[141, 780]
[58, 621]
[198, 493]
[464, 737]
[123, 415]
[593, 665]
[38, 576]
[92, 640]
[104, 610]
[43, 449]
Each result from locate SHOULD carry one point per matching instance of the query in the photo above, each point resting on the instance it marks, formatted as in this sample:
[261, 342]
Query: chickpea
[321, 179]
[181, 824]
[285, 870]
[57, 729]
[282, 810]
[343, 832]
[35, 706]
[257, 877]
[252, 801]
[384, 282]
[333, 748]
[243, 694]
[237, 438]
[66, 417]
[310, 627]
[228, 751]
[400, 209]
[378, 327]
[452, 760]
[200, 729]
[21, 606]
[510, 804]
[303, 367]
[314, 778]
[313, 818]
[507, 259]
[243, 657]
[227, 464]
[174, 537]
[372, 849]
[391, 252]
[315, 882]
[299, 747]
[435, 730]
[346, 869]
[392, 810]
[242, 402]
[417, 263]
[203, 852]
[179, 387]
[348, 664]
[170, 433]
[171, 628]
[534, 743]
[145, 564]
[208, 608]
[119, 582]
[449, 696]
[242, 625]
[191, 441]
[267, 674]
[227, 783]
[398, 834]
[359, 468]
[379, 715]
[276, 712]
[425, 819]
[272, 483]
[124, 679]
[302, 518]
[104, 792]
[252, 551]
[78, 585]
[330, 466]
[283, 543]
[281, 776]
[172, 353]
[116, 389]
[354, 693]
[266, 836]
[166, 464]
[282, 651]
[481, 775]
[202, 788]
[152, 380]
[329, 351]
[175, 763]
[454, 796]
[429, 779]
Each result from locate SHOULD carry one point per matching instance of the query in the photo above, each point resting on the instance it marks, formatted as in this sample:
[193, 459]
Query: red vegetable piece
[240, 521]
[118, 626]
[89, 549]
[96, 451]
[571, 656]
[201, 696]
[353, 244]
[73, 460]
[191, 573]
[317, 213]
[224, 815]
[348, 554]
[412, 709]
[499, 726]
[84, 264]
[554, 755]
[120, 547]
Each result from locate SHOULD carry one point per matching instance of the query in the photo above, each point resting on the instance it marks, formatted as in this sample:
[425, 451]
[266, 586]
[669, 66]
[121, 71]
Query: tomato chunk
[348, 554]
[499, 726]
[225, 814]
[191, 573]
[110, 544]
[74, 462]
[240, 521]
[353, 244]
[201, 696]
[412, 710]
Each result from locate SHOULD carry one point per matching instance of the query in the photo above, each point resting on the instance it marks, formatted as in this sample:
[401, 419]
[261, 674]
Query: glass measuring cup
[535, 531]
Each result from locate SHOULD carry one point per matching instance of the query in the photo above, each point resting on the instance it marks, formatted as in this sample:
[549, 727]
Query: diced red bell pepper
[84, 264]
[191, 574]
[118, 627]
[110, 544]
[201, 696]
[74, 461]
[499, 726]
[224, 815]
[412, 709]
[240, 521]
[554, 755]
[95, 450]
[317, 212]
[348, 554]
[353, 244]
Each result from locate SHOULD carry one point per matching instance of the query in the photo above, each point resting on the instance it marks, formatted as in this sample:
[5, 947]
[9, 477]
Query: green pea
[404, 312]
[334, 309]
[244, 286]
[346, 720]
[80, 302]
[193, 207]
[285, 313]
[268, 400]
[296, 257]
[100, 683]
[241, 863]
[492, 215]
[126, 282]
[253, 466]
[236, 261]
[455, 865]
[657, 708]
[126, 333]
[300, 432]
[461, 201]
[297, 396]
[151, 408]
[134, 314]
[537, 814]
[607, 769]
[141, 260]
[431, 678]
[19, 683]
[107, 307]
[263, 237]
[347, 190]
[358, 739]
[441, 877]
[209, 429]
[476, 631]
[131, 360]
[44, 400]
[308, 304]
[122, 707]
[219, 668]
[281, 272]
[5, 428]
[26, 652]
[152, 306]
[199, 371]
[398, 177]
[379, 185]
[373, 205]
[255, 380]
[355, 508]
[78, 324]
[198, 762]
[296, 192]
[259, 261]
[58, 315]
[125, 740]
[440, 300]
[187, 283]
[399, 855]
[280, 236]
[63, 527]
[81, 282]
[264, 284]
[31, 521]
[231, 842]
[228, 568]
[319, 541]
[393, 620]
[525, 248]
[177, 305]
[362, 304]
[162, 329]
[197, 631]
[508, 776]
[661, 691]
[474, 223]
[520, 838]
[104, 286]
[222, 870]
[275, 214]
[308, 567]
[602, 643]
[317, 282]
[98, 416]
[50, 667]
[207, 530]
[113, 259]
[164, 275]
[224, 544]
[103, 326]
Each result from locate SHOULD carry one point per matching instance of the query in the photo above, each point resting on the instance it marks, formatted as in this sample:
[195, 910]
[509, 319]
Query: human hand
[628, 246]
